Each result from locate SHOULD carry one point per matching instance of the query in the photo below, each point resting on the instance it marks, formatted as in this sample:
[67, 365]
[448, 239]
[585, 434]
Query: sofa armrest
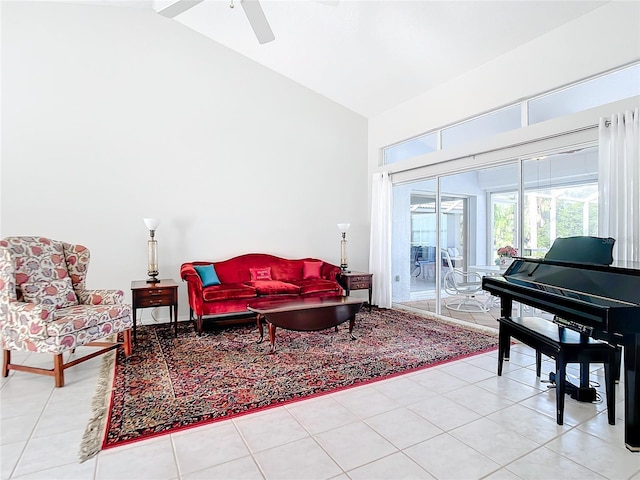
[28, 320]
[194, 286]
[189, 275]
[329, 271]
[100, 297]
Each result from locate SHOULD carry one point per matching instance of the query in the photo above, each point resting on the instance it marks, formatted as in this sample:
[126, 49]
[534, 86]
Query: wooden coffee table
[309, 314]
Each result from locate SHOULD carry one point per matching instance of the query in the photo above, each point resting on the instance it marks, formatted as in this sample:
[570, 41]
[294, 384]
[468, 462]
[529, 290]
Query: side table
[356, 281]
[163, 293]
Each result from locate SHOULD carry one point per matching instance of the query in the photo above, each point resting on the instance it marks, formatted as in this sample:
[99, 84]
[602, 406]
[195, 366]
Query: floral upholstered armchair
[45, 307]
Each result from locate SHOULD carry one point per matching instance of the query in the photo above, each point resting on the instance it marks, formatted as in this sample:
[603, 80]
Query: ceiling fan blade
[258, 21]
[178, 7]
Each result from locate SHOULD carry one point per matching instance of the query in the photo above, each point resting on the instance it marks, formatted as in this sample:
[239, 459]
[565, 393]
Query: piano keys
[600, 300]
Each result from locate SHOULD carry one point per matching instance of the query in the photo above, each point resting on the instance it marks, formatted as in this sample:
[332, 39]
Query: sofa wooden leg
[199, 324]
[5, 363]
[127, 342]
[58, 370]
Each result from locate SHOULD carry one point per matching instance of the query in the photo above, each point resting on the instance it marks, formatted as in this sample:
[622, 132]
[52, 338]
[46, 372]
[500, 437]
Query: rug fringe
[94, 432]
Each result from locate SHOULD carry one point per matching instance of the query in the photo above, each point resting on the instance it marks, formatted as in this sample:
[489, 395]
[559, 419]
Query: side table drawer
[360, 285]
[154, 300]
[154, 292]
[360, 279]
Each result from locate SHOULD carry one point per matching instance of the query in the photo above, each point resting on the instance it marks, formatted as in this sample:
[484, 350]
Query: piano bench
[564, 346]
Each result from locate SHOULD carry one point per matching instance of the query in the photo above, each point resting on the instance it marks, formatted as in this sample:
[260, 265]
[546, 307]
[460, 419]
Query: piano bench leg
[538, 363]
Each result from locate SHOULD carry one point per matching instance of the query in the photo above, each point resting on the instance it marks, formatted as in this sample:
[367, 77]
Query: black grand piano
[602, 301]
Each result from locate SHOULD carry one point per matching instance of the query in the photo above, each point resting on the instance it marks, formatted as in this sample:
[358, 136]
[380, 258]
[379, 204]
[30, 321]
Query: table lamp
[152, 244]
[343, 227]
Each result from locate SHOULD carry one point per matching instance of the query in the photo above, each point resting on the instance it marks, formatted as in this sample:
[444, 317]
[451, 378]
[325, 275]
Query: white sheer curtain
[619, 183]
[380, 241]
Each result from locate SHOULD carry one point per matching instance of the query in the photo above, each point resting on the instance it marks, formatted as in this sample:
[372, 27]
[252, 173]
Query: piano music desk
[565, 346]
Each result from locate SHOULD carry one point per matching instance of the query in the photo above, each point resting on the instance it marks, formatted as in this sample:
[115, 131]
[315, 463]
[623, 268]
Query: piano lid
[583, 281]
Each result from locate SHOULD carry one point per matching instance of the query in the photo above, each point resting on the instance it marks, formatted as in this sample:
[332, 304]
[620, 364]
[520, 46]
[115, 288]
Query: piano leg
[610, 369]
[506, 305]
[618, 364]
[632, 391]
[584, 375]
[561, 371]
[584, 366]
[504, 341]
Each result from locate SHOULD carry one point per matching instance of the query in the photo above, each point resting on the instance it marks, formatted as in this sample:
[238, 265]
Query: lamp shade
[152, 223]
[343, 227]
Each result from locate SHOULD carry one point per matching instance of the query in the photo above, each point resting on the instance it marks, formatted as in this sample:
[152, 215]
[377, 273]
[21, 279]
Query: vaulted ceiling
[371, 55]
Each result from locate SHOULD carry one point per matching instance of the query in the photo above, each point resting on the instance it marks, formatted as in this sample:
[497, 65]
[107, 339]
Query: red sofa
[254, 276]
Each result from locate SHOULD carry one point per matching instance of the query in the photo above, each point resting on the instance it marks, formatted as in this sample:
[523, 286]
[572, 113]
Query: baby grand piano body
[602, 301]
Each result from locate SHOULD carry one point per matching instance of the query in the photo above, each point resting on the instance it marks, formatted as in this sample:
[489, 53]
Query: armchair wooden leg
[127, 342]
[58, 370]
[5, 363]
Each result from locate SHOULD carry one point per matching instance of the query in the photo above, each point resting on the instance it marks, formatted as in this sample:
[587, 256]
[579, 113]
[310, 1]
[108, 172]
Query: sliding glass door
[460, 221]
[444, 224]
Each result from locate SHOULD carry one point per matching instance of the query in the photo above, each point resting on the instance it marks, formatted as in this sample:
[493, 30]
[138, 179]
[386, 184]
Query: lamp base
[152, 280]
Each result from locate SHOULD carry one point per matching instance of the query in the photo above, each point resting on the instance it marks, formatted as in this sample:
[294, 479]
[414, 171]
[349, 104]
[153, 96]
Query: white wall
[113, 114]
[603, 39]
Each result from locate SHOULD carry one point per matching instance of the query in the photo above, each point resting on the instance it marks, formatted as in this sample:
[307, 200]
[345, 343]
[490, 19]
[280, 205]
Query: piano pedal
[580, 394]
[552, 379]
[585, 395]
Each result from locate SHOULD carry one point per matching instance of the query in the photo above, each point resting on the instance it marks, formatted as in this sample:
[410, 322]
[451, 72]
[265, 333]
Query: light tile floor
[453, 421]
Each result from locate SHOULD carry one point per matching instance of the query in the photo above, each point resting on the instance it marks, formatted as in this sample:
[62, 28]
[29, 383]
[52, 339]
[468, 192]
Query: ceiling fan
[252, 10]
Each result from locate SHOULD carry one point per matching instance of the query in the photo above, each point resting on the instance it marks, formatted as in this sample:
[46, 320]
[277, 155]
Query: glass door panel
[560, 198]
[413, 244]
[461, 205]
[504, 214]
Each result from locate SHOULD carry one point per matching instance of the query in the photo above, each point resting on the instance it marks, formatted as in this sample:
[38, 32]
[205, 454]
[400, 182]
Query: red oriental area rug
[172, 383]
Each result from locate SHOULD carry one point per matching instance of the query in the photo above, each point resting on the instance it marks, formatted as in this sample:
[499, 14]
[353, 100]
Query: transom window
[609, 87]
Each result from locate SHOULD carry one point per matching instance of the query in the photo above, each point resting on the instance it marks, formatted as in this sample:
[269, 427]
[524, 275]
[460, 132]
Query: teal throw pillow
[207, 274]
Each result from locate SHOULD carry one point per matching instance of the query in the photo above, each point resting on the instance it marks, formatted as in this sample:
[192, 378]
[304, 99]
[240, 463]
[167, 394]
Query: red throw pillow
[311, 269]
[260, 273]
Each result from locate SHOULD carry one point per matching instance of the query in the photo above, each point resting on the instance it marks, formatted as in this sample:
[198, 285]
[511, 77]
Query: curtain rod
[514, 145]
[607, 123]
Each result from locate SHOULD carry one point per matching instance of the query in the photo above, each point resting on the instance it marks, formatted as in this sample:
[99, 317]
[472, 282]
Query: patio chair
[463, 287]
[45, 307]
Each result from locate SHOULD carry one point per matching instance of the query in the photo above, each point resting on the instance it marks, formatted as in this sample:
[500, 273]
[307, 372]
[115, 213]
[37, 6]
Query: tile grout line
[30, 437]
